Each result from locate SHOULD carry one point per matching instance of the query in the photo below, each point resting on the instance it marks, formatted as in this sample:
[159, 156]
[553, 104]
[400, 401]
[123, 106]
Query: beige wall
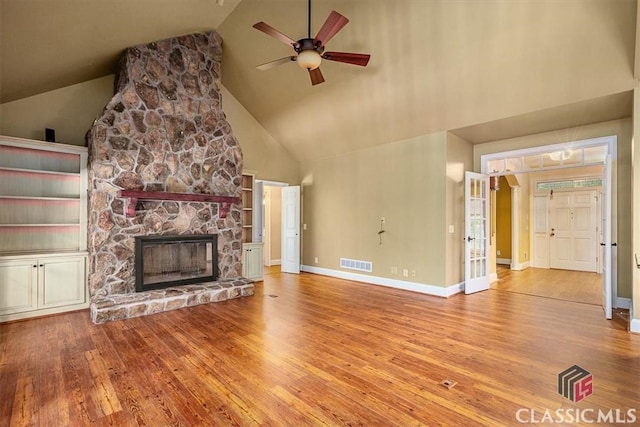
[503, 220]
[459, 160]
[70, 111]
[262, 153]
[273, 214]
[344, 198]
[621, 198]
[524, 213]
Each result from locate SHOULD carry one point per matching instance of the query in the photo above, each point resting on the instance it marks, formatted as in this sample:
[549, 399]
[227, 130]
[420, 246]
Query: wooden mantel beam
[133, 196]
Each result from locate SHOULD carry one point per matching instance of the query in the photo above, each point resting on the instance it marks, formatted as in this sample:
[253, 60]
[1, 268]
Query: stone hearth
[163, 131]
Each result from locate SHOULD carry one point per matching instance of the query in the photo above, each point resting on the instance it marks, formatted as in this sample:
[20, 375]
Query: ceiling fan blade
[330, 28]
[268, 29]
[272, 64]
[316, 76]
[361, 59]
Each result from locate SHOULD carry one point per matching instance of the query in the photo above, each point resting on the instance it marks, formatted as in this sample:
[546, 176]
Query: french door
[476, 214]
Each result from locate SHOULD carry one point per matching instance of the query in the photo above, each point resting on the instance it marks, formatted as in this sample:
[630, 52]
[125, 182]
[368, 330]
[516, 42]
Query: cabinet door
[252, 261]
[61, 281]
[256, 263]
[18, 286]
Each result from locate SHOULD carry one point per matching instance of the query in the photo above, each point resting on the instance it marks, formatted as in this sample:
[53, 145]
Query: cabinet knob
[35, 266]
[41, 265]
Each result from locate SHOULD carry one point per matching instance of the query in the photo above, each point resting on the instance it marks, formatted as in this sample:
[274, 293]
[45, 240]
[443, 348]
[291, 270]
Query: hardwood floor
[313, 350]
[577, 286]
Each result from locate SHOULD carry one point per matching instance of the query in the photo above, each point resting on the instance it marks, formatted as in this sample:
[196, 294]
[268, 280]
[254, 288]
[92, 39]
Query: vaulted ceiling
[484, 69]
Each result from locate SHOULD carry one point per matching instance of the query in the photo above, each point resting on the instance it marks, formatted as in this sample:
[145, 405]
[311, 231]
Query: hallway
[576, 286]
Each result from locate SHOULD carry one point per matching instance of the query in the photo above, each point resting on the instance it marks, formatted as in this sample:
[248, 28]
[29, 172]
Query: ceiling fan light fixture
[556, 156]
[309, 59]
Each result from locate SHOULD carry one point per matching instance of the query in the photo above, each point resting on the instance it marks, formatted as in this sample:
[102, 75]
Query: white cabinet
[43, 227]
[252, 260]
[42, 285]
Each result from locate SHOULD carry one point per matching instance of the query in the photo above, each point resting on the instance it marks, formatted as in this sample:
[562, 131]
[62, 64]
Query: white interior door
[607, 292]
[476, 224]
[540, 233]
[573, 237]
[290, 257]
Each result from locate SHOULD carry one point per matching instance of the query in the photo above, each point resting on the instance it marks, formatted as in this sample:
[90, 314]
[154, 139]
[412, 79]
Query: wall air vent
[354, 264]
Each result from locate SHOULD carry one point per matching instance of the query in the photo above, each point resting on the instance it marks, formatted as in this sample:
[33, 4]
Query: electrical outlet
[304, 226]
[452, 229]
[405, 272]
[315, 260]
[498, 252]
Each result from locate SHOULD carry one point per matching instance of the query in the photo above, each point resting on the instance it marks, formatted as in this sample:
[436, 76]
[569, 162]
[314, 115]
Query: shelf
[133, 196]
[45, 253]
[41, 172]
[247, 194]
[41, 225]
[42, 198]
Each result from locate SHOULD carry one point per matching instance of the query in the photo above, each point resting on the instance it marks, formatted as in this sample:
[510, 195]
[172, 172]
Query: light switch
[451, 229]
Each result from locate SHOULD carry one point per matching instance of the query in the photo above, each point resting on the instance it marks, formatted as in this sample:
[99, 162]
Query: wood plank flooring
[577, 286]
[313, 350]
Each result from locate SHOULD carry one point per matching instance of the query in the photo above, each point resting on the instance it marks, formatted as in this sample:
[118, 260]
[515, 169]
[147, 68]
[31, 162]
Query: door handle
[469, 238]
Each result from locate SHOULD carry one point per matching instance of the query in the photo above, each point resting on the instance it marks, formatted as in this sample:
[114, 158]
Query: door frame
[267, 232]
[611, 144]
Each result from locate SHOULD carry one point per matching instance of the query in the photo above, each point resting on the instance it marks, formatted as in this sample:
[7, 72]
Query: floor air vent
[354, 264]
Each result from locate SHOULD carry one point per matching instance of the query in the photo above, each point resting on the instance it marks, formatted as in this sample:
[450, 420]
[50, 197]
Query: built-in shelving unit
[247, 207]
[252, 261]
[43, 227]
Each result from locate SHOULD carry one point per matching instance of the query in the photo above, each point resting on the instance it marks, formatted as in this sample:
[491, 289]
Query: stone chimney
[163, 132]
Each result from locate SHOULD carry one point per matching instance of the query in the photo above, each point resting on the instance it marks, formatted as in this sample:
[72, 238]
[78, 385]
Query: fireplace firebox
[165, 261]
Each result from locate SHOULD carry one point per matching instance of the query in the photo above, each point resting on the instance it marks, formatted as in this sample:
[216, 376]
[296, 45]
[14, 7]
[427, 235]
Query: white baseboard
[505, 261]
[634, 326]
[493, 277]
[623, 303]
[392, 283]
[274, 262]
[521, 266]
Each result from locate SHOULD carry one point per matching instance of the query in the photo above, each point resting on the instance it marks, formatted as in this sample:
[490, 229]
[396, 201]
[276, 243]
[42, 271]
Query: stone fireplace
[163, 162]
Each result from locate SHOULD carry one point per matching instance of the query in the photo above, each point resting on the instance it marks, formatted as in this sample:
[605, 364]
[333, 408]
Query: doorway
[592, 152]
[563, 234]
[279, 216]
[271, 207]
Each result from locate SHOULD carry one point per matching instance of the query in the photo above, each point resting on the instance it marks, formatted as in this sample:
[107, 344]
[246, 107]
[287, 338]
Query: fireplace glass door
[166, 261]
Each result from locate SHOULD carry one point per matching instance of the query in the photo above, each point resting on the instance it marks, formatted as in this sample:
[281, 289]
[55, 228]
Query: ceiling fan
[310, 51]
